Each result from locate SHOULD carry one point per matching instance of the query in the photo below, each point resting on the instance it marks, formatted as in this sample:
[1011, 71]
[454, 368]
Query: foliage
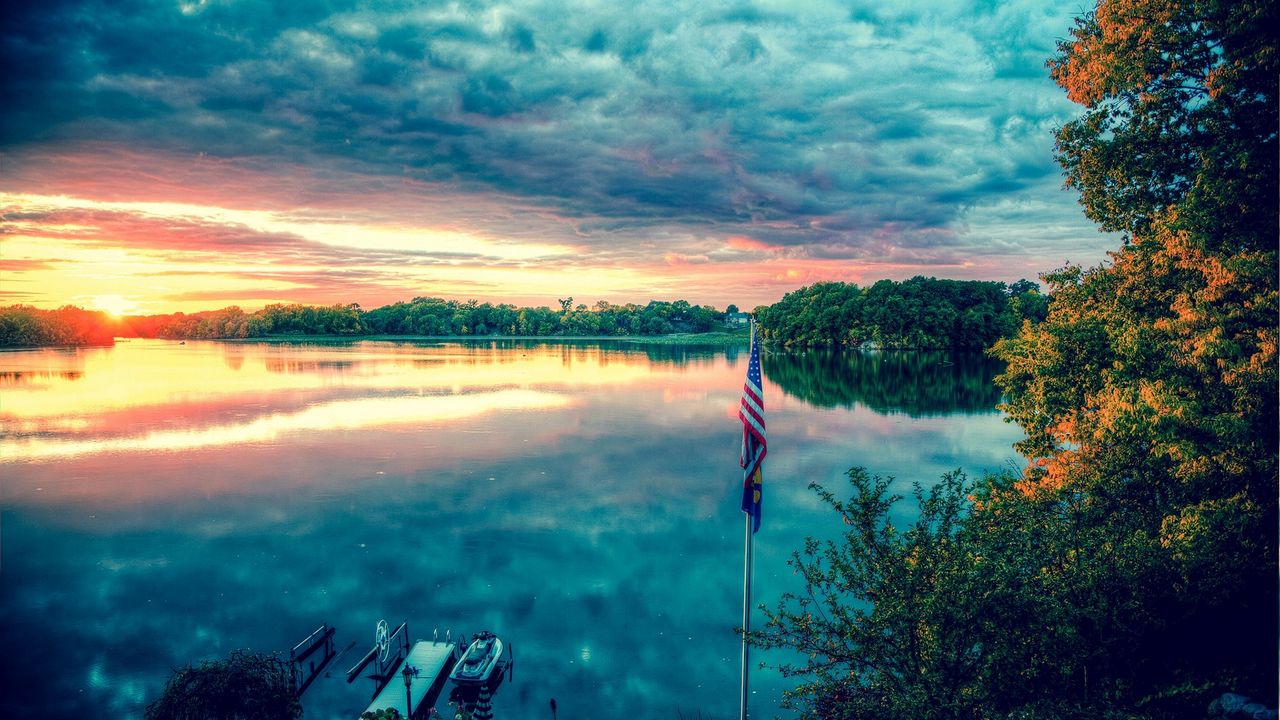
[243, 686]
[234, 323]
[26, 326]
[991, 603]
[1129, 569]
[1180, 109]
[878, 629]
[434, 316]
[1150, 389]
[920, 313]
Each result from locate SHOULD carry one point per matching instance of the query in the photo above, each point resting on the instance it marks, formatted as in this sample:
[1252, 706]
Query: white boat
[477, 665]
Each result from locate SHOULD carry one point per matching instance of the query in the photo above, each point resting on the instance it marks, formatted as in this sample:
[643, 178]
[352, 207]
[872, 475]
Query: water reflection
[136, 392]
[30, 377]
[361, 414]
[174, 502]
[915, 383]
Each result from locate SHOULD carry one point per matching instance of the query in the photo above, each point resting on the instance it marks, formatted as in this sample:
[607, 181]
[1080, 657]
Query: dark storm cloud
[832, 131]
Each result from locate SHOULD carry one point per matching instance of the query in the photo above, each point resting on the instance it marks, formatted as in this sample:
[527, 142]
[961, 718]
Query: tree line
[434, 316]
[26, 326]
[919, 314]
[1128, 570]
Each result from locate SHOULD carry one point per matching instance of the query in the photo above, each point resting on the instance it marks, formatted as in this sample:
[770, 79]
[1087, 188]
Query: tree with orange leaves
[1149, 393]
[1129, 570]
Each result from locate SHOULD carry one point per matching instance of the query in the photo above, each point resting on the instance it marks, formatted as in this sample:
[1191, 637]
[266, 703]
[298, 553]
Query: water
[163, 503]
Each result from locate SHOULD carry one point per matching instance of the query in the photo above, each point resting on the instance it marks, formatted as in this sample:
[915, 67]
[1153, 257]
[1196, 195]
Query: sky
[195, 154]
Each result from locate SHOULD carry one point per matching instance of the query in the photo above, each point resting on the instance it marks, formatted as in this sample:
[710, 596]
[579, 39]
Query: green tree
[920, 314]
[26, 326]
[1148, 394]
[244, 685]
[878, 628]
[1179, 99]
[1129, 569]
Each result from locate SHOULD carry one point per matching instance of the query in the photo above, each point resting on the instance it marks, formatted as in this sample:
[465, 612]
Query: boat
[477, 664]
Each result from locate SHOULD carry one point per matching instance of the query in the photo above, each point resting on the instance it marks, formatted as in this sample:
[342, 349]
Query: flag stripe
[755, 422]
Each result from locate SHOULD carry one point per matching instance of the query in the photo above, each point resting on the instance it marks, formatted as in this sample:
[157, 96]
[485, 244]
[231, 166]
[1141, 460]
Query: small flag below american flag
[753, 441]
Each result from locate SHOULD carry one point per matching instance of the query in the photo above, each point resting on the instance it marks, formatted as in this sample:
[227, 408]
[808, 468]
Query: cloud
[23, 265]
[839, 134]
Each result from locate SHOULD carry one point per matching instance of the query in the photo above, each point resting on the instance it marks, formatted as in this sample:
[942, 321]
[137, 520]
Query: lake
[163, 503]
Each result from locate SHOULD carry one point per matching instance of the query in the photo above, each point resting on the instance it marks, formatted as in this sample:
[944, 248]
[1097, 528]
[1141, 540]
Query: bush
[245, 685]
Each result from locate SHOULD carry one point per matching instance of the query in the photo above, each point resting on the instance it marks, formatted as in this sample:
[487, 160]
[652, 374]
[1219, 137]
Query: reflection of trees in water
[915, 383]
[577, 349]
[681, 354]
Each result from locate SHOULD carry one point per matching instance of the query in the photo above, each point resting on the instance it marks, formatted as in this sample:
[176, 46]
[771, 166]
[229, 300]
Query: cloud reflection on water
[339, 415]
[599, 531]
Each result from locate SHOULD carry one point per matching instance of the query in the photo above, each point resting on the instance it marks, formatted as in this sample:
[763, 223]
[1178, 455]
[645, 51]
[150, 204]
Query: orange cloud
[742, 242]
[673, 258]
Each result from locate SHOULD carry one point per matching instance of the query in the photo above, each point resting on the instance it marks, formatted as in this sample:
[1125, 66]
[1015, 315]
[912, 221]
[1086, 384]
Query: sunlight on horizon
[165, 257]
[117, 306]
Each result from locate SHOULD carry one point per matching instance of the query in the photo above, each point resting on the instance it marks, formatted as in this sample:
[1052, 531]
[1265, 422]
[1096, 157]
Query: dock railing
[385, 658]
[319, 641]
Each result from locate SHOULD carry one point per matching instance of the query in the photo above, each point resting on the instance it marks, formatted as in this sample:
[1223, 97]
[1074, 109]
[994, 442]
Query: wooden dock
[406, 679]
[433, 660]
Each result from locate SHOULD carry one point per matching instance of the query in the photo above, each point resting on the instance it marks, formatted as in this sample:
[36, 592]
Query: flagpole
[748, 541]
[753, 451]
[746, 610]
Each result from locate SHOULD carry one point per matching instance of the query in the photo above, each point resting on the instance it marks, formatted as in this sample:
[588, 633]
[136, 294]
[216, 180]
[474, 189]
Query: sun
[114, 305]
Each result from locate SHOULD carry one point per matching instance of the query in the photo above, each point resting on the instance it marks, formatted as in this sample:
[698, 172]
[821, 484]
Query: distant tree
[26, 326]
[920, 313]
[1023, 286]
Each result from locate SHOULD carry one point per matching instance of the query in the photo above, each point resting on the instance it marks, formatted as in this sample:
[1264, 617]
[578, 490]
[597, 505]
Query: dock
[409, 678]
[433, 660]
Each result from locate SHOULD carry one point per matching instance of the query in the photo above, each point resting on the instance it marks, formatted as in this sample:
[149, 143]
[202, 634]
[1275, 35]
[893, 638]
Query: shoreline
[716, 339]
[709, 339]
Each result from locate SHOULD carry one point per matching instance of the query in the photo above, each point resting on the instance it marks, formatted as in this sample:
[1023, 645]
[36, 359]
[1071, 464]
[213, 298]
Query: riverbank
[710, 339]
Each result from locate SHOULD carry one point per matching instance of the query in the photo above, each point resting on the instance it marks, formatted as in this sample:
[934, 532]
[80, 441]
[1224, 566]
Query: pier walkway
[433, 660]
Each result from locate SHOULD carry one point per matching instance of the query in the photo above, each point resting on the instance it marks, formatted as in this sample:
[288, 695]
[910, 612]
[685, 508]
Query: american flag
[753, 442]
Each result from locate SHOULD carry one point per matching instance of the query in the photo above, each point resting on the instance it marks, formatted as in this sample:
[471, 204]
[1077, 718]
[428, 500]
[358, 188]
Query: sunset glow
[114, 305]
[196, 177]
